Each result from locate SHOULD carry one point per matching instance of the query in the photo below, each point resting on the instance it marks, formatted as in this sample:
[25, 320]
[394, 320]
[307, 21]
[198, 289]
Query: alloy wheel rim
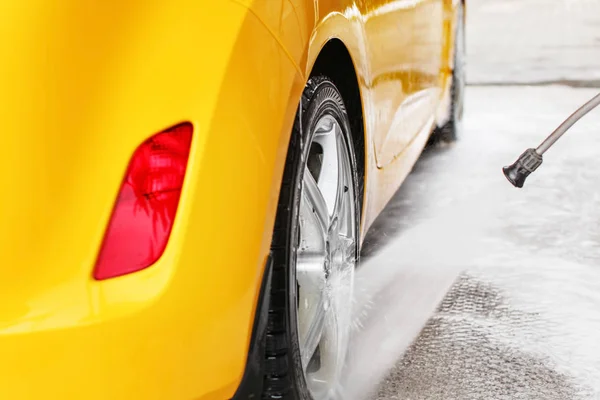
[325, 258]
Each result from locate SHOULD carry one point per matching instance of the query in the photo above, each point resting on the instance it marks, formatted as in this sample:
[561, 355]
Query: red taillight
[143, 215]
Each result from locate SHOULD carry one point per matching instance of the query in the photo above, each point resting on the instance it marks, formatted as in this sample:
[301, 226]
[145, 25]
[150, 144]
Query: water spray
[532, 158]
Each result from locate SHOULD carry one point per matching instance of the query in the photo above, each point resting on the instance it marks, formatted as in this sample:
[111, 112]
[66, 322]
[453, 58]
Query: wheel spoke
[310, 274]
[336, 333]
[312, 235]
[330, 355]
[344, 194]
[313, 196]
[326, 138]
[313, 315]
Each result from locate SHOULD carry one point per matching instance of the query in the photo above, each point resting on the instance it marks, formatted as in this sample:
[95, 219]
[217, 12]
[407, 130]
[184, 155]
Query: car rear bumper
[153, 353]
[140, 356]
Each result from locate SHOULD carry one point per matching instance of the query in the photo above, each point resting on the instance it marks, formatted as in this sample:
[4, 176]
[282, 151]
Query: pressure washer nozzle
[528, 162]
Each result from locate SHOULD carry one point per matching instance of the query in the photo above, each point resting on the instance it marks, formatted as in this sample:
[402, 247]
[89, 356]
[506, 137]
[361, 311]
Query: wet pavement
[533, 41]
[523, 318]
[505, 282]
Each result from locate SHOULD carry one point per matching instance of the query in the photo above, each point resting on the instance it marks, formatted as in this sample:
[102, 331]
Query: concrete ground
[521, 321]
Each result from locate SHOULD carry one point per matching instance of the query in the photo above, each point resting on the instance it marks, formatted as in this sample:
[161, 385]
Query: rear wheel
[314, 250]
[449, 132]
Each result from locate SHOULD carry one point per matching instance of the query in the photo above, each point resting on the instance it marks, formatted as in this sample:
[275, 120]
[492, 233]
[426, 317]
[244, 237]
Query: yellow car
[186, 185]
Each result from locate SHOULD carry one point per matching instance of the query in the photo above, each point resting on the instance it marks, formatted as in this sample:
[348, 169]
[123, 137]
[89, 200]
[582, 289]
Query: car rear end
[129, 267]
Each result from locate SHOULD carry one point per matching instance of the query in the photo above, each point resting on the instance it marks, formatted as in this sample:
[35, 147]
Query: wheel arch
[334, 61]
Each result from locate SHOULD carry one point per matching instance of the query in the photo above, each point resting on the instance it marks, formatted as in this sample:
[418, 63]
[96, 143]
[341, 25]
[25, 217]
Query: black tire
[284, 377]
[450, 131]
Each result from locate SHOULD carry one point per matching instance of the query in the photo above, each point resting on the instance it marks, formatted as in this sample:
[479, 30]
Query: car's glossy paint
[83, 83]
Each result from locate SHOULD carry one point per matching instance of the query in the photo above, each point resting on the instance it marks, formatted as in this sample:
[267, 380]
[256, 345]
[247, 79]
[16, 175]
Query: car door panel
[404, 40]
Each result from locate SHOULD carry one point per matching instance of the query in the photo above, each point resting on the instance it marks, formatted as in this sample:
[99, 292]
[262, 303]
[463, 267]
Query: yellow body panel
[82, 84]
